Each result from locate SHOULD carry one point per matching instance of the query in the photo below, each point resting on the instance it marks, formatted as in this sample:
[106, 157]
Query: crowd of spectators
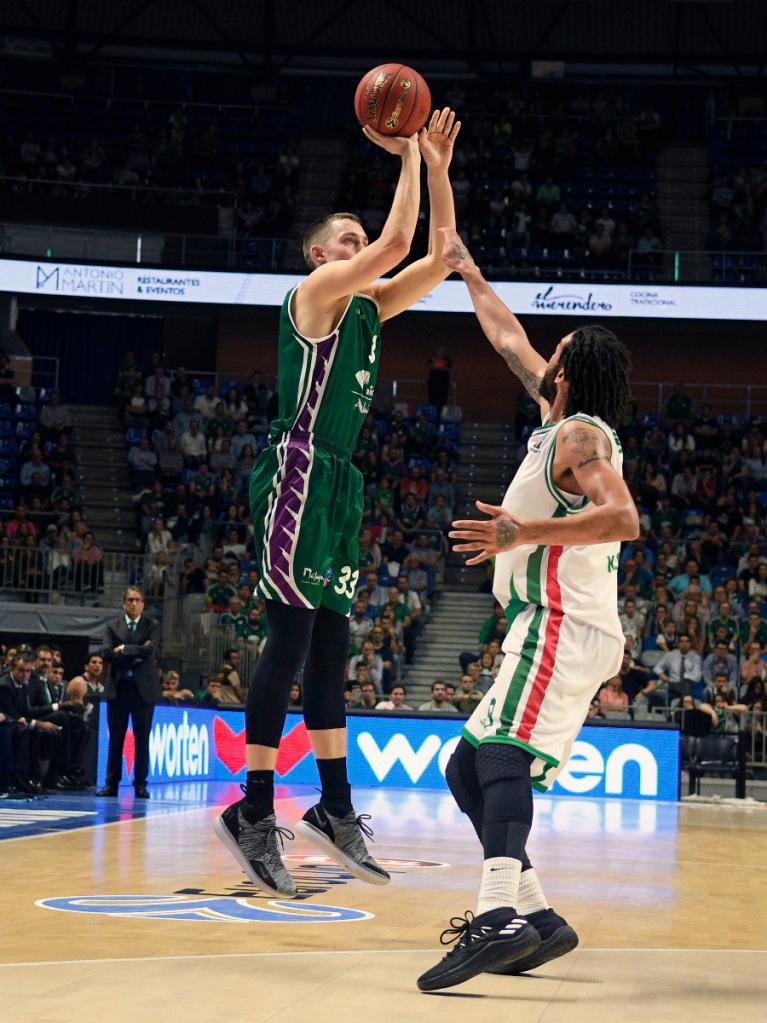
[48, 721]
[192, 446]
[64, 149]
[529, 193]
[738, 200]
[45, 543]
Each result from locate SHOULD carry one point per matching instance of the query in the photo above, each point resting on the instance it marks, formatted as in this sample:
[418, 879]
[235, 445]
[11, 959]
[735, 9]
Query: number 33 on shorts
[347, 580]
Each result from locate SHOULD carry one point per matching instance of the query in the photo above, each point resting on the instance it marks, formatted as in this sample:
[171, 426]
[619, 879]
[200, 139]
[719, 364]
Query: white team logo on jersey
[372, 356]
[362, 377]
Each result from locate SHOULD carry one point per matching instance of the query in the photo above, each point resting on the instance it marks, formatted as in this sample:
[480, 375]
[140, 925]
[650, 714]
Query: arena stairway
[489, 454]
[453, 627]
[683, 209]
[103, 476]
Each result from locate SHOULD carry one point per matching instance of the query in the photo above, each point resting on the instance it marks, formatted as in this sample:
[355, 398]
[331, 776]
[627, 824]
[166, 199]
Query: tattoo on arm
[530, 380]
[505, 534]
[458, 251]
[586, 445]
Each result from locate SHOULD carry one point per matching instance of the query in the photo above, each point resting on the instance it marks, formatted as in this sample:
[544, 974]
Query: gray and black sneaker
[494, 937]
[254, 846]
[341, 839]
[557, 939]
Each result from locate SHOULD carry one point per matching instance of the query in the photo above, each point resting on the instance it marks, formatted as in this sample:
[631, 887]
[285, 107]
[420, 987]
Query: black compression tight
[298, 637]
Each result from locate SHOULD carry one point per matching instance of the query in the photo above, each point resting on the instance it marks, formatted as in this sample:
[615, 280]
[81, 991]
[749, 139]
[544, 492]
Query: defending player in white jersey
[556, 540]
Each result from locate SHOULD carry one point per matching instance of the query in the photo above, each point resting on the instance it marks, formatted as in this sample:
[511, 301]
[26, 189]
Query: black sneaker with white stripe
[557, 939]
[497, 936]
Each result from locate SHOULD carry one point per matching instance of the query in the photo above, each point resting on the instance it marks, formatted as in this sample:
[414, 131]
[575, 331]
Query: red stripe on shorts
[550, 641]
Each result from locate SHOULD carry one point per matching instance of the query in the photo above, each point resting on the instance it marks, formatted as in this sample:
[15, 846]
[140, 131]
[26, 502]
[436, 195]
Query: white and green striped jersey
[579, 581]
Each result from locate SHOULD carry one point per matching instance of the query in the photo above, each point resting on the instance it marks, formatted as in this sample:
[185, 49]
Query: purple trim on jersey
[283, 534]
[304, 422]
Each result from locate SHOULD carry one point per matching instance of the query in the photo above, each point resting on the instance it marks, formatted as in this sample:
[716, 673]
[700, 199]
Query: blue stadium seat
[8, 446]
[25, 430]
[427, 410]
[134, 434]
[5, 410]
[26, 413]
[7, 503]
[225, 388]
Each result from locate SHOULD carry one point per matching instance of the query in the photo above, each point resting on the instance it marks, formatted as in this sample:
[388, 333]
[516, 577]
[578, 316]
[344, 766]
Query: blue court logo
[205, 910]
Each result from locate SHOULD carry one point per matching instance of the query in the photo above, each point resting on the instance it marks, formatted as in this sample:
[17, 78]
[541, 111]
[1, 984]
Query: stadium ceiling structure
[277, 34]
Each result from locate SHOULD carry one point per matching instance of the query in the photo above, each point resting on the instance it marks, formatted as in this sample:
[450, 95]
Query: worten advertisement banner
[191, 744]
[136, 283]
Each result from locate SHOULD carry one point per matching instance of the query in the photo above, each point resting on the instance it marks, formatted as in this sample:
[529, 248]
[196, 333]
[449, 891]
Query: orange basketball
[394, 99]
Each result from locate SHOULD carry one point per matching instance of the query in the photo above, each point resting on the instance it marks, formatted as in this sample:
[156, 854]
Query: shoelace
[365, 828]
[457, 931]
[282, 835]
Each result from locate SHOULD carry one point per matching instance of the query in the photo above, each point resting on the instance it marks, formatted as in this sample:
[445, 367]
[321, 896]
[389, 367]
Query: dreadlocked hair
[596, 366]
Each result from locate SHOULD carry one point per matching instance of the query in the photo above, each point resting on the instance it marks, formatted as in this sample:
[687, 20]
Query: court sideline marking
[349, 952]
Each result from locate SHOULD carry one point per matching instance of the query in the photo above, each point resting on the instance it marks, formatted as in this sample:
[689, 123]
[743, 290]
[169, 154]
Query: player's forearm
[403, 217]
[505, 333]
[606, 524]
[442, 214]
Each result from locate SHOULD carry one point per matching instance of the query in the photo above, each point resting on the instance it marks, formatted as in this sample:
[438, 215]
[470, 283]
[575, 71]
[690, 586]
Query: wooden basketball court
[109, 916]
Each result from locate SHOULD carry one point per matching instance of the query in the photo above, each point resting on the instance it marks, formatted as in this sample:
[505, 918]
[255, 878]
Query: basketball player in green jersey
[306, 499]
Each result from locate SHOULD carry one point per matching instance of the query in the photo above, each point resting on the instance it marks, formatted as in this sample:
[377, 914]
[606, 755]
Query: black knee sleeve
[325, 672]
[283, 656]
[503, 772]
[461, 778]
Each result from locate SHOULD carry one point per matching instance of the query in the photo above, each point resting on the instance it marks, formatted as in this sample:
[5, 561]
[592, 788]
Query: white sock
[531, 897]
[500, 883]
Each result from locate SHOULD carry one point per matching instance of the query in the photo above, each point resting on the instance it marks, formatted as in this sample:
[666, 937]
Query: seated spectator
[218, 595]
[158, 540]
[721, 685]
[417, 579]
[88, 565]
[634, 677]
[210, 696]
[241, 439]
[396, 700]
[487, 671]
[368, 700]
[372, 661]
[360, 625]
[192, 579]
[724, 628]
[377, 595]
[467, 697]
[721, 713]
[143, 463]
[233, 618]
[611, 695]
[170, 461]
[206, 403]
[193, 446]
[55, 418]
[172, 695]
[679, 671]
[752, 630]
[721, 660]
[439, 702]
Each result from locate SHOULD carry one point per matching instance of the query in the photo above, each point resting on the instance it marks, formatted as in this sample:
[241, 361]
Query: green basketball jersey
[325, 386]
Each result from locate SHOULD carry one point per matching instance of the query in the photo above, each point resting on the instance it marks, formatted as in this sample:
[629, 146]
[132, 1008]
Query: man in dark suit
[16, 715]
[132, 688]
[55, 749]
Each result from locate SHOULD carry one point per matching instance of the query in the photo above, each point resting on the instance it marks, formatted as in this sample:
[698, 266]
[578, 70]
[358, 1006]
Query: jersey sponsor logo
[372, 356]
[313, 578]
[202, 910]
[612, 563]
[362, 376]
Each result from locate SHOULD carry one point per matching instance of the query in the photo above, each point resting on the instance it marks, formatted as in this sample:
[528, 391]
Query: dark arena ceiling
[281, 33]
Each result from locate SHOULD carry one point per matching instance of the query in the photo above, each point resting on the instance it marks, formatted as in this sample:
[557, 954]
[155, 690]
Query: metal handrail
[675, 273]
[90, 186]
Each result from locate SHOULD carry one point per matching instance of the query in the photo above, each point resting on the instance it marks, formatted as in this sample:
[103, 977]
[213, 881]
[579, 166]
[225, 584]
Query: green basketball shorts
[306, 503]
